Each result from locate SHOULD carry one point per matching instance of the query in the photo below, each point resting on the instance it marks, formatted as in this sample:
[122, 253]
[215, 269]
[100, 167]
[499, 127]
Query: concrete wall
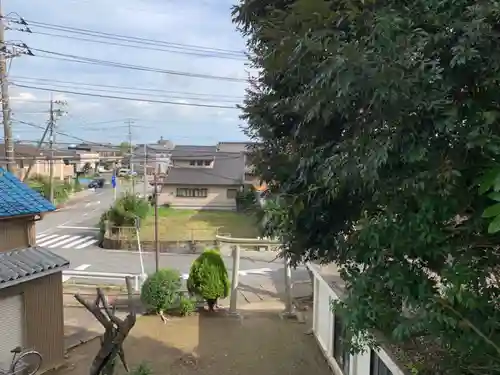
[42, 167]
[216, 198]
[323, 329]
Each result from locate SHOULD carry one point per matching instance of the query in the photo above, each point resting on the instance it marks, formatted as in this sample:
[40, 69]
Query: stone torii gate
[235, 244]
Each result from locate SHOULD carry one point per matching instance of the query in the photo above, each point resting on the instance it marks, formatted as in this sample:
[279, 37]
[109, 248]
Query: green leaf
[492, 211]
[494, 196]
[490, 117]
[487, 180]
[494, 226]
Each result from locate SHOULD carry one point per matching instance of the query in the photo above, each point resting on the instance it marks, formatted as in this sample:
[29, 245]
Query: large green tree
[376, 121]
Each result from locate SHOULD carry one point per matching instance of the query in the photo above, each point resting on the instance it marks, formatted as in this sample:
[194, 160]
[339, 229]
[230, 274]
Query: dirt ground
[214, 344]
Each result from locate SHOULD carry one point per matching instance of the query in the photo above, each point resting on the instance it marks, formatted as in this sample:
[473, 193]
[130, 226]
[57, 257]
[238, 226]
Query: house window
[340, 351]
[192, 162]
[207, 163]
[231, 193]
[192, 193]
[199, 163]
[377, 366]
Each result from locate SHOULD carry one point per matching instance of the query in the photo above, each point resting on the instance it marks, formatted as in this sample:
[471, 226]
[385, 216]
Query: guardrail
[74, 274]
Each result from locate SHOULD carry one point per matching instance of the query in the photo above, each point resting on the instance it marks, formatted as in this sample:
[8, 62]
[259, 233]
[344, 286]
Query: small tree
[208, 278]
[161, 290]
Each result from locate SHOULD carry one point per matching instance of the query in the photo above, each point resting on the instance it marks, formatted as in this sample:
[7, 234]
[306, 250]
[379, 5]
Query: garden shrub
[126, 209]
[160, 291]
[208, 277]
[186, 306]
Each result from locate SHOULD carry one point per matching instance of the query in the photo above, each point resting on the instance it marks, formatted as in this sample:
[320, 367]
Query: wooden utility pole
[157, 239]
[4, 85]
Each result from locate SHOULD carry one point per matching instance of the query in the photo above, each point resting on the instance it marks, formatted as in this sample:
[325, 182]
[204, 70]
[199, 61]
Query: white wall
[323, 319]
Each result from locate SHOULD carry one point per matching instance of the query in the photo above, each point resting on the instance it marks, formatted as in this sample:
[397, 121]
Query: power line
[121, 91]
[146, 89]
[128, 98]
[146, 41]
[164, 49]
[114, 64]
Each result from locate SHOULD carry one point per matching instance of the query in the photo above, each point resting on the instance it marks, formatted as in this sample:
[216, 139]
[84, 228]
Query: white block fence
[371, 362]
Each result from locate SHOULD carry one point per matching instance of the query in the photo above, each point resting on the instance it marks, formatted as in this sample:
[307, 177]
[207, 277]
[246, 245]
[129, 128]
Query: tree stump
[116, 330]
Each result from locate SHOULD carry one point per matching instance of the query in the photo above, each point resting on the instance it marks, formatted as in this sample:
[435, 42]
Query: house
[151, 158]
[31, 304]
[28, 154]
[202, 178]
[245, 148]
[329, 333]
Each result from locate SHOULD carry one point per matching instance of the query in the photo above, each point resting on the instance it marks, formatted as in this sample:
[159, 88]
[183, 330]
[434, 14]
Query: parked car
[96, 183]
[123, 172]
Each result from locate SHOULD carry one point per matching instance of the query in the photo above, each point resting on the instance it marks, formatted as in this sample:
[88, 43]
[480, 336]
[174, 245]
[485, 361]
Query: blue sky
[194, 22]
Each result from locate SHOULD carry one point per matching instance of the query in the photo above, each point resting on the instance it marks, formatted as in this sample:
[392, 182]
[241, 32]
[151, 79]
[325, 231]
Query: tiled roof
[228, 169]
[21, 263]
[193, 151]
[17, 198]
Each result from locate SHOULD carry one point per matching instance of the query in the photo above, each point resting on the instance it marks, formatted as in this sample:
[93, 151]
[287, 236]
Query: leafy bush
[161, 289]
[143, 369]
[186, 306]
[208, 277]
[126, 209]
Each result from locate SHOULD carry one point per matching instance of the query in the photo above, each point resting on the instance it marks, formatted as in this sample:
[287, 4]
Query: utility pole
[38, 148]
[130, 151]
[157, 239]
[51, 143]
[145, 182]
[53, 113]
[4, 85]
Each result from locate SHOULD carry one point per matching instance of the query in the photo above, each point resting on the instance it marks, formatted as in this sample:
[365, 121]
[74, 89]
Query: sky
[158, 23]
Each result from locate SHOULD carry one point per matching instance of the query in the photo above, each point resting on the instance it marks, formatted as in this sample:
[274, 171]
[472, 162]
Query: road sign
[113, 181]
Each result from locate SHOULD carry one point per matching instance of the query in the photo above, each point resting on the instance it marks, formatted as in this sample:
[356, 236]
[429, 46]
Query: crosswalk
[65, 241]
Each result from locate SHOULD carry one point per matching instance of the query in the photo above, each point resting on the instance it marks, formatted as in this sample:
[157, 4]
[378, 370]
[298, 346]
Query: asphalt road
[72, 233]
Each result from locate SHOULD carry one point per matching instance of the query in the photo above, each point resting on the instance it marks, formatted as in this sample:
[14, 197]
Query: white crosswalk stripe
[65, 241]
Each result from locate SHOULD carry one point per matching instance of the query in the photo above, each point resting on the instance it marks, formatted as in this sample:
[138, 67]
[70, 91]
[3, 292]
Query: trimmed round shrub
[160, 291]
[208, 277]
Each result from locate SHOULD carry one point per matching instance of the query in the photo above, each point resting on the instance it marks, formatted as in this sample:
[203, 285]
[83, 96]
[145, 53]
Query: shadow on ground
[213, 344]
[272, 286]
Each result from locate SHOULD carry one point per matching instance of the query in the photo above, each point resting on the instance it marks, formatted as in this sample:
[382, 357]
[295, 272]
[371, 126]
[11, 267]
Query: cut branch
[116, 330]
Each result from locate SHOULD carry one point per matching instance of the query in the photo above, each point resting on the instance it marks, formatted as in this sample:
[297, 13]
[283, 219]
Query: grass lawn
[186, 225]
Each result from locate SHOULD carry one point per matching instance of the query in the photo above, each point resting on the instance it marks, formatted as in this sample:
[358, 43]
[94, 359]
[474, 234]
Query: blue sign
[113, 181]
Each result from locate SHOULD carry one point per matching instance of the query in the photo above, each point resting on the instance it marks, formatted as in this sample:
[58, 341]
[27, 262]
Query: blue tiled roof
[17, 198]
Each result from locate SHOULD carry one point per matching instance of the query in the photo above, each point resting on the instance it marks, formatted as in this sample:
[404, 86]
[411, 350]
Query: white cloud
[23, 97]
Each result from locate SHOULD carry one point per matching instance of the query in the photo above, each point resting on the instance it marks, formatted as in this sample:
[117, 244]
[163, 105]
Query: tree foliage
[378, 123]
